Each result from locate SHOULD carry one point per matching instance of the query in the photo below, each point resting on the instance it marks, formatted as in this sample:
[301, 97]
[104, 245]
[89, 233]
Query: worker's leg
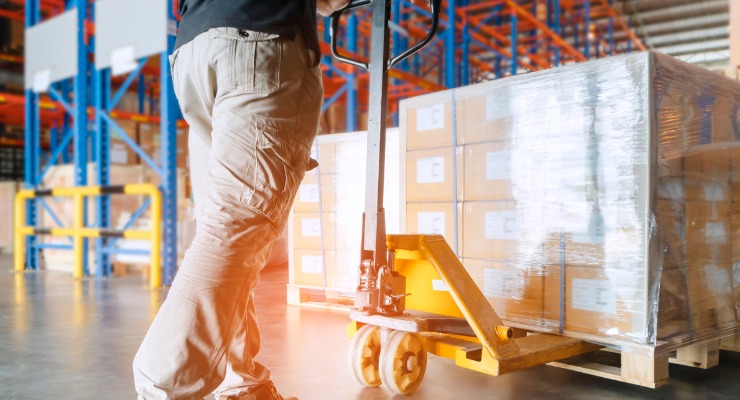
[243, 374]
[259, 152]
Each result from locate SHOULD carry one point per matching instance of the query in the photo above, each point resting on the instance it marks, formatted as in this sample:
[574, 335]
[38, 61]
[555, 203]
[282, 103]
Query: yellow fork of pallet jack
[425, 258]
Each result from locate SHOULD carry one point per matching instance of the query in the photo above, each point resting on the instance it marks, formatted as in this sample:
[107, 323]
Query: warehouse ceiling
[694, 31]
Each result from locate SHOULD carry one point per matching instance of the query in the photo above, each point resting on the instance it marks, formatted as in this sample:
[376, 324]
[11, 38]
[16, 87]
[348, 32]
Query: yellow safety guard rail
[78, 231]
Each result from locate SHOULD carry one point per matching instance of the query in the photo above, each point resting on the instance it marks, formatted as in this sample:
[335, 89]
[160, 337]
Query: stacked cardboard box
[7, 201]
[595, 198]
[325, 227]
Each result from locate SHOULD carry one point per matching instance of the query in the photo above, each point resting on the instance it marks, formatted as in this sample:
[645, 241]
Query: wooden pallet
[648, 370]
[320, 297]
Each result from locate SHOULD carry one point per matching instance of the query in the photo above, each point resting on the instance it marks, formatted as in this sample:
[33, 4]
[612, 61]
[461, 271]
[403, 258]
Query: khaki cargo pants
[252, 101]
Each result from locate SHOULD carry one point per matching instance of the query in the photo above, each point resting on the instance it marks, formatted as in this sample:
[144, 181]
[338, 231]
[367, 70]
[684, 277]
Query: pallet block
[637, 369]
[703, 356]
[731, 343]
[318, 297]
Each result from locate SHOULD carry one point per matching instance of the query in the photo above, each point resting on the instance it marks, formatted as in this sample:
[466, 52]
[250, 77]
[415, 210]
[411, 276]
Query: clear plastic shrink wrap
[596, 200]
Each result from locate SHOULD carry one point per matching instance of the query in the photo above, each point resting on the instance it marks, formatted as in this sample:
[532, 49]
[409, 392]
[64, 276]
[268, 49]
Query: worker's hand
[327, 7]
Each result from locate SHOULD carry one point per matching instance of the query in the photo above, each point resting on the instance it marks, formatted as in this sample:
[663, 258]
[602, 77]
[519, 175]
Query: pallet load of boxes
[597, 200]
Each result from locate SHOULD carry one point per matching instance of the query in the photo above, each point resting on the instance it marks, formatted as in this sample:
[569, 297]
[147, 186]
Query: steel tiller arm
[434, 5]
[380, 289]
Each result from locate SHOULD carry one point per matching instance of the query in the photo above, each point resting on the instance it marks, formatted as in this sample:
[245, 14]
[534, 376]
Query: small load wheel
[364, 355]
[403, 362]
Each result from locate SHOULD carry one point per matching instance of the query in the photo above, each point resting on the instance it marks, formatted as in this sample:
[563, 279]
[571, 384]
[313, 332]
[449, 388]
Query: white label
[42, 81]
[122, 60]
[501, 284]
[594, 295]
[312, 264]
[500, 225]
[715, 232]
[430, 118]
[431, 223]
[171, 27]
[311, 227]
[308, 193]
[713, 193]
[439, 286]
[719, 281]
[498, 165]
[118, 156]
[494, 108]
[430, 170]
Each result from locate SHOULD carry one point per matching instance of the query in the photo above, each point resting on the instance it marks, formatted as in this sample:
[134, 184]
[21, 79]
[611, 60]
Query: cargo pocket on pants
[275, 174]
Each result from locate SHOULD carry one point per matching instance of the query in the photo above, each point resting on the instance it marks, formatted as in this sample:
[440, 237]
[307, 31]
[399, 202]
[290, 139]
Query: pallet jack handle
[435, 6]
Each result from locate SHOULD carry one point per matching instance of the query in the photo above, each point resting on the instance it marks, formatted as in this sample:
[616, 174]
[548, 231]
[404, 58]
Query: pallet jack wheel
[403, 362]
[364, 354]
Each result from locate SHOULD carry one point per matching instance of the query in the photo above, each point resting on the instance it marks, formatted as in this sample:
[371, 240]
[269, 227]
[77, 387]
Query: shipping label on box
[312, 264]
[428, 121]
[429, 175]
[434, 219]
[431, 222]
[491, 230]
[498, 165]
[310, 232]
[430, 118]
[308, 193]
[515, 293]
[488, 172]
[594, 295]
[311, 227]
[430, 170]
[500, 225]
[502, 284]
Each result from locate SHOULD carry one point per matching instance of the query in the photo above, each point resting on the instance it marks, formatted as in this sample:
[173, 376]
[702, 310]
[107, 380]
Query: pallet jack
[414, 296]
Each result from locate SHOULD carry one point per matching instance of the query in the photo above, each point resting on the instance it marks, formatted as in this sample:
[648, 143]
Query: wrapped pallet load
[595, 200]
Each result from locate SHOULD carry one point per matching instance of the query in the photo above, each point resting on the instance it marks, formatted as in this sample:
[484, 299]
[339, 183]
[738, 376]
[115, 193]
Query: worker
[247, 76]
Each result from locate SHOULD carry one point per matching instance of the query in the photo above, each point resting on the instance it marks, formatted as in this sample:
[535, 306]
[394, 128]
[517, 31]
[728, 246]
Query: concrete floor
[65, 339]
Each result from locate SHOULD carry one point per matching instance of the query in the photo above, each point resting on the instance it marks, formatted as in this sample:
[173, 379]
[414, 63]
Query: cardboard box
[710, 162]
[491, 231]
[573, 252]
[515, 293]
[487, 172]
[8, 191]
[673, 306]
[485, 118]
[429, 175]
[707, 223]
[595, 302]
[706, 188]
[429, 122]
[711, 294]
[435, 218]
[312, 268]
[312, 232]
[313, 188]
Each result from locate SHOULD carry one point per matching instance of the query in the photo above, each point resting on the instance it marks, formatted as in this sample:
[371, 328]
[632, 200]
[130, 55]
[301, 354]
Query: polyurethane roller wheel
[364, 353]
[403, 362]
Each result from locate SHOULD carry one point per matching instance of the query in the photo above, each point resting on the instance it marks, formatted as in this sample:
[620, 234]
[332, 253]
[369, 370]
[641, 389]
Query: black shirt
[283, 17]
